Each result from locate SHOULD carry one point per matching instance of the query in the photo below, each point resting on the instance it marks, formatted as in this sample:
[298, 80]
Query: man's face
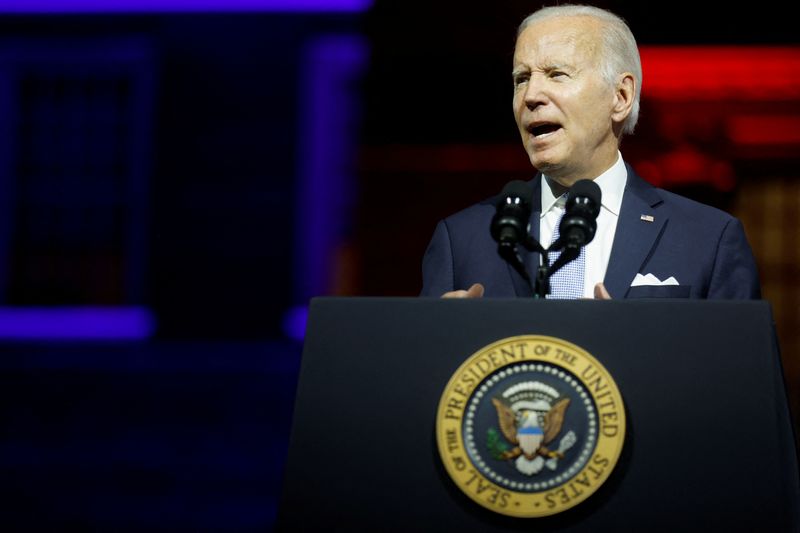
[565, 110]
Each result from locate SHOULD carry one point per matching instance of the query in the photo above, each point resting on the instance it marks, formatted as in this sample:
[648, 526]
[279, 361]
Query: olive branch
[497, 447]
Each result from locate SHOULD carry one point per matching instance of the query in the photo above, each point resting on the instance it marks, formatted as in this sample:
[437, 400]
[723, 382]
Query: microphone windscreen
[510, 221]
[588, 189]
[516, 188]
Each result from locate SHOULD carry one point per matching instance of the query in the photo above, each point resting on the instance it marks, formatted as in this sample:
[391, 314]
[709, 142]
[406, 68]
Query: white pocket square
[650, 279]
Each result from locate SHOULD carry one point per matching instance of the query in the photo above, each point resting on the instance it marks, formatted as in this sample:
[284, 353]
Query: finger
[600, 292]
[475, 291]
[455, 294]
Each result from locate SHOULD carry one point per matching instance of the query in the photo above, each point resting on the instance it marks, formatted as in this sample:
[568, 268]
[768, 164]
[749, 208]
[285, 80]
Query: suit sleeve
[437, 264]
[735, 274]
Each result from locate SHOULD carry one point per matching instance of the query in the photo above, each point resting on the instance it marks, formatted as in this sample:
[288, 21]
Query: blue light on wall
[175, 6]
[326, 191]
[76, 323]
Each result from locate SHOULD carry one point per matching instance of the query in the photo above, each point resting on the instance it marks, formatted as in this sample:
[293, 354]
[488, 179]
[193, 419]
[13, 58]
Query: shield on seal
[529, 433]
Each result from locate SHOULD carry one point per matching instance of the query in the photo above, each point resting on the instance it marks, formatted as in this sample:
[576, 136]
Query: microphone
[579, 223]
[577, 229]
[510, 224]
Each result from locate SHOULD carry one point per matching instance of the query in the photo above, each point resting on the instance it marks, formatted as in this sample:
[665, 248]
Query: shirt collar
[611, 183]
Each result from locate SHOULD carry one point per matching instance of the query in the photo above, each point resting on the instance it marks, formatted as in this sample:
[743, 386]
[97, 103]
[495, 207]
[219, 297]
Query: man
[577, 77]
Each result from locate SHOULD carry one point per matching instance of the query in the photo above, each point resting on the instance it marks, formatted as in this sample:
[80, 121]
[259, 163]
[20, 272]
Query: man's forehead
[563, 57]
[546, 47]
[559, 31]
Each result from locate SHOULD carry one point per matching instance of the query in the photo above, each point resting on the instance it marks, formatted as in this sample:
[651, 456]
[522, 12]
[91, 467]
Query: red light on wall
[764, 130]
[721, 72]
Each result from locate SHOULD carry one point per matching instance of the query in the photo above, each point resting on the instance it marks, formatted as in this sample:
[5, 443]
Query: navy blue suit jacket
[704, 248]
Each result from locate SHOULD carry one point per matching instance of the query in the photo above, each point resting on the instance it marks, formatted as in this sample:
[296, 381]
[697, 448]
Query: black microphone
[510, 224]
[579, 223]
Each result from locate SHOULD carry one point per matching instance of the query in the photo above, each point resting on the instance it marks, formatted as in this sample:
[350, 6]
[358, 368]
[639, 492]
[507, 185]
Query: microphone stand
[541, 285]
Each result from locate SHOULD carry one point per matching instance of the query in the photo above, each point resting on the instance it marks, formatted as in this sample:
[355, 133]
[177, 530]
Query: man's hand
[476, 291]
[600, 292]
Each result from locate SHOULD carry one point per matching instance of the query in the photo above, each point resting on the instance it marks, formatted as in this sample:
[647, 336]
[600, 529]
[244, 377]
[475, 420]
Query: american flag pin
[647, 218]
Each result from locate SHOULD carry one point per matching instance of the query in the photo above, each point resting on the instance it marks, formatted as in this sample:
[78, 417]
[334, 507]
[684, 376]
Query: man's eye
[558, 74]
[520, 79]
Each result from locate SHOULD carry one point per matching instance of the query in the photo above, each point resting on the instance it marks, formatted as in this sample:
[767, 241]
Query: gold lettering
[608, 417]
[478, 377]
[452, 440]
[597, 473]
[451, 415]
[600, 461]
[468, 380]
[549, 499]
[456, 403]
[508, 354]
[504, 498]
[583, 480]
[541, 349]
[472, 478]
[610, 431]
[575, 491]
[522, 347]
[567, 357]
[608, 428]
[483, 485]
[603, 395]
[593, 380]
[484, 366]
[607, 405]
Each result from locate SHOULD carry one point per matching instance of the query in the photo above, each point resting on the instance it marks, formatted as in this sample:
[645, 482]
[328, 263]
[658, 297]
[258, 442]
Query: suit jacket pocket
[659, 291]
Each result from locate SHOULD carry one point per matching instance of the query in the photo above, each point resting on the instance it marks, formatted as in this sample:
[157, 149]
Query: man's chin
[549, 167]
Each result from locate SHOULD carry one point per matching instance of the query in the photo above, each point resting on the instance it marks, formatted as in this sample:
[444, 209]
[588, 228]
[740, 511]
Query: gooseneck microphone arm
[511, 227]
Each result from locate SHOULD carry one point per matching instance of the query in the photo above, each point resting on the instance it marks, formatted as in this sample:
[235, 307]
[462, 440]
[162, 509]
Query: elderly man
[577, 78]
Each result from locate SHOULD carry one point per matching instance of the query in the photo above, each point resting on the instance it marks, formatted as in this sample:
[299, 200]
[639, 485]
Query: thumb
[475, 291]
[600, 292]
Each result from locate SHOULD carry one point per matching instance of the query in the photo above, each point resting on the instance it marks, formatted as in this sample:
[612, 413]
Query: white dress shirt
[598, 252]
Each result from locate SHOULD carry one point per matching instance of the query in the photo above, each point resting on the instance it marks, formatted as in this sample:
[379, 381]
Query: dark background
[205, 168]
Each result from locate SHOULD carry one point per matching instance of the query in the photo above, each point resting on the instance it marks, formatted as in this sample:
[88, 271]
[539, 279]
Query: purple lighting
[326, 185]
[75, 323]
[294, 322]
[173, 6]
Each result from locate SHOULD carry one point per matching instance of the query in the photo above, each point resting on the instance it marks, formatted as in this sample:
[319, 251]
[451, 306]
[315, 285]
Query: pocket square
[650, 279]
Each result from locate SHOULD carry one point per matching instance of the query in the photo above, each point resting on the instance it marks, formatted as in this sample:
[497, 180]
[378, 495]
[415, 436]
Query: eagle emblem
[530, 429]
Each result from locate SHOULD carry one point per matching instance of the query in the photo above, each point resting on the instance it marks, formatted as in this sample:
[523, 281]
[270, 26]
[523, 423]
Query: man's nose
[535, 94]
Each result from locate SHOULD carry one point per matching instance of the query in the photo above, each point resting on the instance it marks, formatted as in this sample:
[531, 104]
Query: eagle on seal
[523, 430]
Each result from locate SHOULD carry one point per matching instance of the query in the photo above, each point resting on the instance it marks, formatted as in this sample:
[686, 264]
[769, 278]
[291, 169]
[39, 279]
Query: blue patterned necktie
[567, 282]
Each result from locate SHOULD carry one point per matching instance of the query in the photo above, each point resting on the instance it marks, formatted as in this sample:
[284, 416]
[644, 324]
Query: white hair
[619, 53]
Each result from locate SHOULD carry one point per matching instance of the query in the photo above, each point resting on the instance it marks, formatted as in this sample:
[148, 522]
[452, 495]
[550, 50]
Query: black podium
[709, 444]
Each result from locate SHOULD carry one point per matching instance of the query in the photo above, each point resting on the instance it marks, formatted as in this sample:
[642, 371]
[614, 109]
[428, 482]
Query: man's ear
[623, 96]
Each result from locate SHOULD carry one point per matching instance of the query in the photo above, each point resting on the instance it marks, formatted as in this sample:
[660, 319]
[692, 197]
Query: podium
[709, 443]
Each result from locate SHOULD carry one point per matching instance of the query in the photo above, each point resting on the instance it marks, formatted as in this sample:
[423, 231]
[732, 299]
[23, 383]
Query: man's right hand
[475, 291]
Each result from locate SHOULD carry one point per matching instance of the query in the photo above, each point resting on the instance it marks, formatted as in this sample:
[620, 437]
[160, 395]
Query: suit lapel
[530, 259]
[638, 230]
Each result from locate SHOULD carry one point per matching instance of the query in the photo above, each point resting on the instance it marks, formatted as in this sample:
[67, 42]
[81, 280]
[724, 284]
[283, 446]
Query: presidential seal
[530, 426]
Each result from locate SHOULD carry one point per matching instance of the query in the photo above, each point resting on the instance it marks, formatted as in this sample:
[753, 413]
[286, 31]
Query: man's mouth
[540, 130]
